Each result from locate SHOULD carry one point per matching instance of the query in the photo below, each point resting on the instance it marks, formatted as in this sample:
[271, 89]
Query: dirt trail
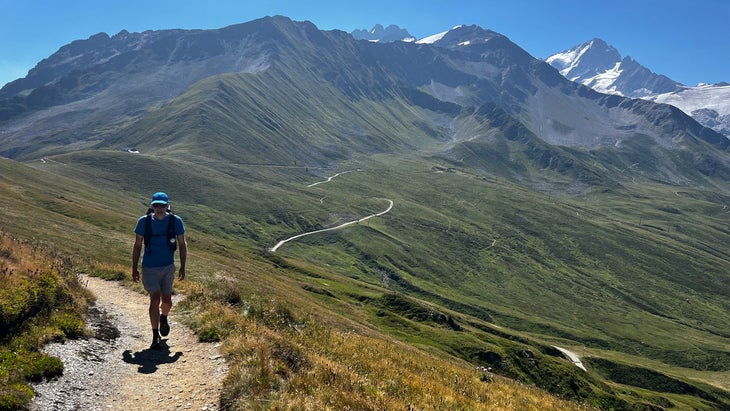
[359, 220]
[118, 371]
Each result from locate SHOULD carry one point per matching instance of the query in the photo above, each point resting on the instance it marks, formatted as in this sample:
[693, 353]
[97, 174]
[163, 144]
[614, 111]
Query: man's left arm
[183, 247]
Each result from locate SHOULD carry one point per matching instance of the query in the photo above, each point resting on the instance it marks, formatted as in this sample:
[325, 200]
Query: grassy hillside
[231, 118]
[293, 336]
[466, 266]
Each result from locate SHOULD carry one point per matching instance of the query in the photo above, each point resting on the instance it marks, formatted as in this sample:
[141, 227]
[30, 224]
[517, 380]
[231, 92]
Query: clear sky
[686, 40]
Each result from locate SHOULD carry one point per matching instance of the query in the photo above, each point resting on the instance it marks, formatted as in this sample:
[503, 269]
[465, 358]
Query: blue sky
[686, 40]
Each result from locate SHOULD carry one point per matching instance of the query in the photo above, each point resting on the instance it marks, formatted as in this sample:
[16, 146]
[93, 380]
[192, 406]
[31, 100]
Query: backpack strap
[171, 237]
[148, 230]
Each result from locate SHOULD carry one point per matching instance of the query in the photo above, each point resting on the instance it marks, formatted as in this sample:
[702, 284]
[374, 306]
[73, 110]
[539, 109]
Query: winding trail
[330, 178]
[280, 243]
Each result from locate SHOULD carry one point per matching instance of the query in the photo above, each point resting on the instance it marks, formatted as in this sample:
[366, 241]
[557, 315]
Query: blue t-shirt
[159, 253]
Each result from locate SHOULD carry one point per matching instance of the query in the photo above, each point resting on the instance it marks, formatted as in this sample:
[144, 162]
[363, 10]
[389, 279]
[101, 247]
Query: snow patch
[696, 98]
[432, 39]
[605, 82]
[436, 37]
[568, 60]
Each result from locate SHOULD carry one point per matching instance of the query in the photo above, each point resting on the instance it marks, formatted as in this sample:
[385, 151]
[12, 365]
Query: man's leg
[166, 304]
[155, 310]
[168, 277]
[164, 311]
[155, 318]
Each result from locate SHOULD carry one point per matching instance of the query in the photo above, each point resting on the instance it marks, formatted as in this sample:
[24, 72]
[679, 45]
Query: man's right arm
[136, 252]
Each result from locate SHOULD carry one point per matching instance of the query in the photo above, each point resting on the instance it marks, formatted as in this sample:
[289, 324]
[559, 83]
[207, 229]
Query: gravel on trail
[116, 369]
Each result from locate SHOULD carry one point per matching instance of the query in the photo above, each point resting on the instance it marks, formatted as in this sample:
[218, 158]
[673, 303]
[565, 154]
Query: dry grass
[279, 362]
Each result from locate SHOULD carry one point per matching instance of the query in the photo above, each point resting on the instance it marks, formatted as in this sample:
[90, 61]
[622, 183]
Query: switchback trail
[118, 371]
[280, 243]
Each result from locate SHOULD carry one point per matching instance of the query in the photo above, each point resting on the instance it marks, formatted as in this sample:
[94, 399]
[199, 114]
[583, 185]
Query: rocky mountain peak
[383, 34]
[600, 66]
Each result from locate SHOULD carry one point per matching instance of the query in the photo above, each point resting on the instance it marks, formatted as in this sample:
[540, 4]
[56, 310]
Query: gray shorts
[158, 279]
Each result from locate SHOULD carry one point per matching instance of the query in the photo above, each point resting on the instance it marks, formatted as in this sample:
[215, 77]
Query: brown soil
[117, 370]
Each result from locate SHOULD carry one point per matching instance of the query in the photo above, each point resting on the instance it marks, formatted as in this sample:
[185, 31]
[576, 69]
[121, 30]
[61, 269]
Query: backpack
[171, 237]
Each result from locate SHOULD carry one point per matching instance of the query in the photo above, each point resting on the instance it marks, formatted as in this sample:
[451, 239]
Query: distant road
[280, 243]
[330, 178]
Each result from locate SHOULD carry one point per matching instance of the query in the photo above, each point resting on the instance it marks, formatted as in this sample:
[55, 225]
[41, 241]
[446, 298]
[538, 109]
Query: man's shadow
[149, 358]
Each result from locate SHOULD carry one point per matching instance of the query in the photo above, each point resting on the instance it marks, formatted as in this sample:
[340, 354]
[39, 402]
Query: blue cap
[159, 198]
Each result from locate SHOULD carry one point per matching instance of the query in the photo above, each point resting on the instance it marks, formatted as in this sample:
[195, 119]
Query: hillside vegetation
[466, 266]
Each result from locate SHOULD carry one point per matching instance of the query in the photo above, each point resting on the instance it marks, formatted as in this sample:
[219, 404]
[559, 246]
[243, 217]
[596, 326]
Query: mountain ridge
[451, 78]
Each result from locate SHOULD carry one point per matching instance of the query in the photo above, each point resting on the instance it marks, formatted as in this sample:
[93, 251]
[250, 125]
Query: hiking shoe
[156, 343]
[164, 326]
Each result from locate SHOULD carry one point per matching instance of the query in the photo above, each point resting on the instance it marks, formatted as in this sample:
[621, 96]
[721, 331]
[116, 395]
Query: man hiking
[161, 232]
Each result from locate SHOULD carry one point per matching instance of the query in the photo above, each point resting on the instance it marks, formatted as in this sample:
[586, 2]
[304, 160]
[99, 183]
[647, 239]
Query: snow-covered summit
[587, 59]
[600, 66]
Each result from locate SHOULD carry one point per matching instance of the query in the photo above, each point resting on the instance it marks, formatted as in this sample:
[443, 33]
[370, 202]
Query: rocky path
[118, 371]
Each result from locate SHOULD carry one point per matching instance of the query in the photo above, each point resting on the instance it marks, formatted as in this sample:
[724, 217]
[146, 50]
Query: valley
[374, 225]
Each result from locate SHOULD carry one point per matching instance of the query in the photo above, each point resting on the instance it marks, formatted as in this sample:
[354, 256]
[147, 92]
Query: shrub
[14, 396]
[211, 333]
[38, 367]
[71, 325]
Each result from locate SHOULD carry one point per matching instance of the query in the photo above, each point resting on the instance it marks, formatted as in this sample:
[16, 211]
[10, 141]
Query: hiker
[161, 232]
